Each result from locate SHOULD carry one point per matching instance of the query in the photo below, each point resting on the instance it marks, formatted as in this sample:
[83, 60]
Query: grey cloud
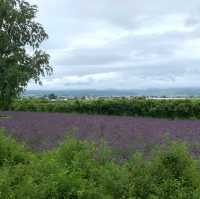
[130, 48]
[89, 57]
[149, 44]
[73, 18]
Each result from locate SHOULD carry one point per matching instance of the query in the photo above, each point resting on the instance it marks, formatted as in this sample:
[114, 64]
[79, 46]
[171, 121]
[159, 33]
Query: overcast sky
[121, 44]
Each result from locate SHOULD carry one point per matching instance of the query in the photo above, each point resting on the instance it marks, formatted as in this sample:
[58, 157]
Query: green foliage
[52, 96]
[18, 31]
[171, 173]
[79, 169]
[10, 152]
[124, 107]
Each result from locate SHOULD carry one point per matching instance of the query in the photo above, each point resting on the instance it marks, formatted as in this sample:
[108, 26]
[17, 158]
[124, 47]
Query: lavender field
[44, 130]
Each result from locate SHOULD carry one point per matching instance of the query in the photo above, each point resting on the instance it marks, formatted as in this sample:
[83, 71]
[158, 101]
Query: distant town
[176, 93]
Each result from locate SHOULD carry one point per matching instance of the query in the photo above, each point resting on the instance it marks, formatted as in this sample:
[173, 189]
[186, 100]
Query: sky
[121, 44]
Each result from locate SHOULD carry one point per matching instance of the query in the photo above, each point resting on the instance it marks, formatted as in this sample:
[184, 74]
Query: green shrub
[11, 153]
[80, 169]
[127, 107]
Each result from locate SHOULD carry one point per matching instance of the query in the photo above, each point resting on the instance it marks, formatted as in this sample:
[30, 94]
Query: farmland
[127, 125]
[70, 150]
[44, 130]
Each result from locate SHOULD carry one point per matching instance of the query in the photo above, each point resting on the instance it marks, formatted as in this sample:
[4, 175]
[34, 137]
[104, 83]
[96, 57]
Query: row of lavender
[44, 130]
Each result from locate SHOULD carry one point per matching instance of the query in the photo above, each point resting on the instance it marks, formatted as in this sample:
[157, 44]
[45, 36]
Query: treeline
[79, 170]
[122, 107]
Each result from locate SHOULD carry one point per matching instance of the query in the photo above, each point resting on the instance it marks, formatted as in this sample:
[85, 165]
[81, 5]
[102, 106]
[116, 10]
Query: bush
[11, 153]
[80, 169]
[126, 107]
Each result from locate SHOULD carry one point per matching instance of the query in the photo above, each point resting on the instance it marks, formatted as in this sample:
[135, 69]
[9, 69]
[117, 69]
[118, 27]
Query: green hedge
[81, 170]
[124, 106]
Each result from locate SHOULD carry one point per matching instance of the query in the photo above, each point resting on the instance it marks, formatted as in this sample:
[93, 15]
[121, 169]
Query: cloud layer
[129, 44]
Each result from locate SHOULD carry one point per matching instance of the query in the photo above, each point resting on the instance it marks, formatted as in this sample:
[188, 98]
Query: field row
[123, 133]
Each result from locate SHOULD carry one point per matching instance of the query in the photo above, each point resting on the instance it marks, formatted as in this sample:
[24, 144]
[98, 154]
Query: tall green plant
[20, 34]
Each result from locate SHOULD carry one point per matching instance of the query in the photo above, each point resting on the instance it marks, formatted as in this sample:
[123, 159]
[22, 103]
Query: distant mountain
[175, 92]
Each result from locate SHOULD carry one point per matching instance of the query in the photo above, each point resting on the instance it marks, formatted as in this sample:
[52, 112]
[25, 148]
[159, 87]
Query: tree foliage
[20, 56]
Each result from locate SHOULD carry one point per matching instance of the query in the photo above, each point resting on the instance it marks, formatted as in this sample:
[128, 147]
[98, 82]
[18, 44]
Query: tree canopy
[21, 58]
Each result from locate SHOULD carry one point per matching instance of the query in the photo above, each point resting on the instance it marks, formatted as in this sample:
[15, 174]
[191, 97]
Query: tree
[21, 59]
[52, 96]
